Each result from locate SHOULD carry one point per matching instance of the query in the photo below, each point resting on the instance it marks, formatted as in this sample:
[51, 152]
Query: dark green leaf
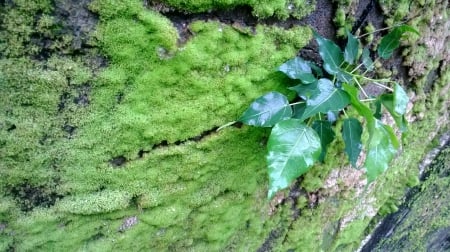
[381, 150]
[377, 113]
[299, 109]
[293, 148]
[316, 69]
[401, 100]
[306, 91]
[328, 98]
[331, 54]
[351, 133]
[367, 61]
[326, 134]
[391, 41]
[267, 110]
[295, 68]
[351, 49]
[388, 102]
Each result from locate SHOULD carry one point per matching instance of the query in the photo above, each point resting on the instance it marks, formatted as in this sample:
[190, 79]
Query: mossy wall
[112, 145]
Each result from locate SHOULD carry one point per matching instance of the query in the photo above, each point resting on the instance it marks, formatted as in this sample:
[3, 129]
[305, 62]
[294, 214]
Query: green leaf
[377, 105]
[299, 109]
[267, 110]
[401, 99]
[326, 134]
[351, 49]
[360, 107]
[381, 150]
[391, 41]
[316, 69]
[388, 102]
[351, 133]
[293, 148]
[306, 91]
[327, 98]
[331, 54]
[298, 69]
[366, 60]
[344, 76]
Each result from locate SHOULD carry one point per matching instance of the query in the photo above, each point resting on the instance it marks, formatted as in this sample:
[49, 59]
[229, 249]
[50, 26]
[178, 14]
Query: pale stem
[360, 87]
[225, 125]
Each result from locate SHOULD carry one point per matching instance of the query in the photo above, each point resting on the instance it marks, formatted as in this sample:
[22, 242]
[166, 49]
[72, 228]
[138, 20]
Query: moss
[261, 9]
[149, 108]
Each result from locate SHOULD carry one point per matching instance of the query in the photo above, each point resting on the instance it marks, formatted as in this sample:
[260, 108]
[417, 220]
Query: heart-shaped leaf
[382, 148]
[298, 69]
[388, 102]
[327, 98]
[351, 133]
[366, 60]
[401, 99]
[293, 148]
[391, 41]
[351, 49]
[326, 134]
[331, 54]
[360, 107]
[267, 110]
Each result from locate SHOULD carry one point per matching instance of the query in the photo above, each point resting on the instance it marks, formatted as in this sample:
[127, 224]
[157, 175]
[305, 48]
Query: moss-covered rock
[124, 155]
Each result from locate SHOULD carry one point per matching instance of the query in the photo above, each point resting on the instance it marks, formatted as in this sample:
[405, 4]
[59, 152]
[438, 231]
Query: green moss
[261, 9]
[149, 108]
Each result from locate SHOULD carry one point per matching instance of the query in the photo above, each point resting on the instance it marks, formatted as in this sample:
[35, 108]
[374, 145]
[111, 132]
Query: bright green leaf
[391, 41]
[366, 60]
[351, 133]
[360, 107]
[327, 98]
[382, 148]
[267, 110]
[326, 134]
[401, 99]
[351, 49]
[331, 54]
[293, 148]
[388, 102]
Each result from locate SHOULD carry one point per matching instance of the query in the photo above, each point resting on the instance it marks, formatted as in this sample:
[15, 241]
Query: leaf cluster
[303, 130]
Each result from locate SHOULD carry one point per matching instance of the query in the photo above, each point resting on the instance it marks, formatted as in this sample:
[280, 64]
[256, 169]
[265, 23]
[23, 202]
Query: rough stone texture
[422, 223]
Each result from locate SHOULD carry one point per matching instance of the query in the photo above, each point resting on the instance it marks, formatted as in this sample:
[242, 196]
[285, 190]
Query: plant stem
[295, 103]
[368, 100]
[345, 113]
[383, 86]
[225, 125]
[360, 87]
[382, 29]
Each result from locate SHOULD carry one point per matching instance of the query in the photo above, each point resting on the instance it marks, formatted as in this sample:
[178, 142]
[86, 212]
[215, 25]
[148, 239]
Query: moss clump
[61, 124]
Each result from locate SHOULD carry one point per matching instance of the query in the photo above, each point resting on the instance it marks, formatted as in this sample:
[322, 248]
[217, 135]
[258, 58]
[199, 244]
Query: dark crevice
[11, 128]
[118, 161]
[270, 240]
[241, 18]
[121, 160]
[29, 196]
